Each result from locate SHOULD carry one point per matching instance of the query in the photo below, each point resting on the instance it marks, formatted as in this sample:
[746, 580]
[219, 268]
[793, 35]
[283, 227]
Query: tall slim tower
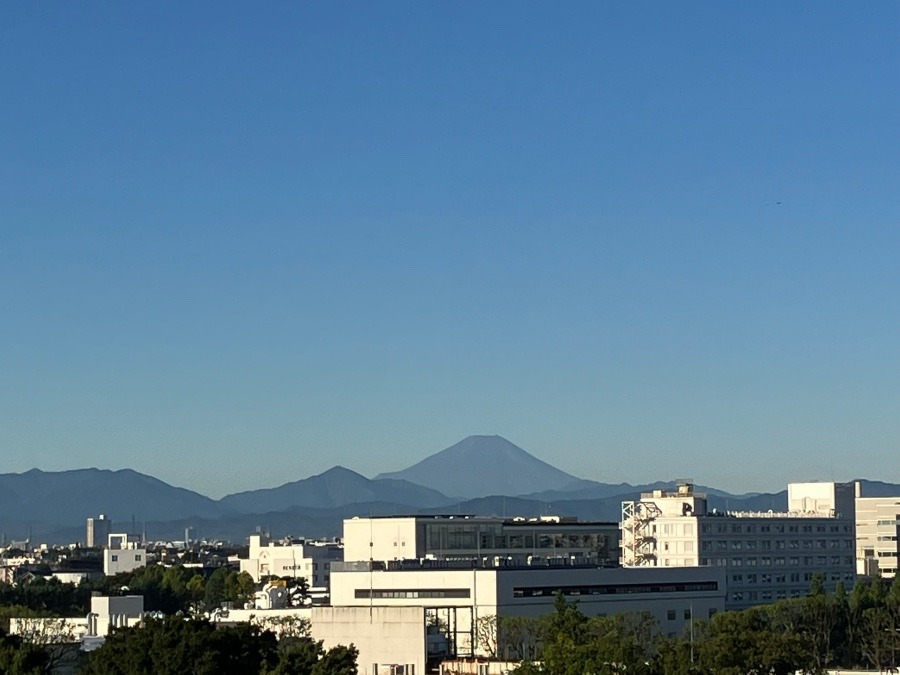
[98, 529]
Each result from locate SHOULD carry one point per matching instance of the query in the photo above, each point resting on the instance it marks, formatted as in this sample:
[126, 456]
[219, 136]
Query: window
[366, 593]
[670, 615]
[115, 558]
[137, 558]
[687, 615]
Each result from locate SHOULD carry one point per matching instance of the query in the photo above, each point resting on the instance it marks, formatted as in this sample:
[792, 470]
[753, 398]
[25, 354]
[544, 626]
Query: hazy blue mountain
[478, 466]
[52, 506]
[336, 487]
[69, 497]
[877, 488]
[594, 490]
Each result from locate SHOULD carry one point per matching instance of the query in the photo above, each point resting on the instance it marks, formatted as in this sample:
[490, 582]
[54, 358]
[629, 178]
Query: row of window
[471, 537]
[366, 593]
[793, 578]
[688, 614]
[742, 528]
[615, 589]
[781, 594]
[779, 561]
[778, 545]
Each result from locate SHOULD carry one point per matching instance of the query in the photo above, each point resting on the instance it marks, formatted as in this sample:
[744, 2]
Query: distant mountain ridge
[336, 487]
[55, 504]
[479, 466]
[69, 497]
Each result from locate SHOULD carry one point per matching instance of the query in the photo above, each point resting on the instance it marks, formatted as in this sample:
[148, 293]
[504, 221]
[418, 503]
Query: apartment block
[877, 530]
[767, 556]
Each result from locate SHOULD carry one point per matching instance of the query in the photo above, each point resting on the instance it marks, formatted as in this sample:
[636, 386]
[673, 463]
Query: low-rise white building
[768, 556]
[107, 612]
[122, 555]
[456, 598]
[295, 559]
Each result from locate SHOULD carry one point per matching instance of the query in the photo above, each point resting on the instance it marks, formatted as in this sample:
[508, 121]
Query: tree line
[807, 635]
[165, 589]
[175, 645]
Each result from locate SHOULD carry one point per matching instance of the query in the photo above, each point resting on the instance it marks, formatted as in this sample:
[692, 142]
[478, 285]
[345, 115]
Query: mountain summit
[479, 466]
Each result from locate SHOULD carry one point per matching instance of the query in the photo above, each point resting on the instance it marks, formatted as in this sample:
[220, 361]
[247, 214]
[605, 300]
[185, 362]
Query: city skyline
[240, 248]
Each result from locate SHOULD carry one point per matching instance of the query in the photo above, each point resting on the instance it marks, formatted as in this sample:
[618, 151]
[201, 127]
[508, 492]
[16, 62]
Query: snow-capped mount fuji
[479, 466]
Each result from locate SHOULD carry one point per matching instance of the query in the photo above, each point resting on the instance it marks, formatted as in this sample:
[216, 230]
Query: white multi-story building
[877, 530]
[767, 555]
[456, 598]
[306, 559]
[515, 541]
[122, 555]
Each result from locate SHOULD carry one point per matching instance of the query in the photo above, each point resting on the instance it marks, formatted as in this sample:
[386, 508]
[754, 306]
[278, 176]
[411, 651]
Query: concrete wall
[112, 612]
[118, 560]
[383, 635]
[391, 539]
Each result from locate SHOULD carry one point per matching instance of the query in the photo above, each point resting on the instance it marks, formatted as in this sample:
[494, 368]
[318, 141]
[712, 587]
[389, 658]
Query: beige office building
[877, 529]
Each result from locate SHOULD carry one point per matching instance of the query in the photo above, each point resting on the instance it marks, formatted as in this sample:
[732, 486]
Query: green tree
[175, 645]
[239, 588]
[737, 643]
[214, 593]
[196, 588]
[297, 656]
[21, 658]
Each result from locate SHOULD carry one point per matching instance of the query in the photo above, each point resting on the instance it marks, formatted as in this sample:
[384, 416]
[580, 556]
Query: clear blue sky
[239, 245]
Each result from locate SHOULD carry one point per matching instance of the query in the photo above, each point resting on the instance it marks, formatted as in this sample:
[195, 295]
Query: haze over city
[240, 246]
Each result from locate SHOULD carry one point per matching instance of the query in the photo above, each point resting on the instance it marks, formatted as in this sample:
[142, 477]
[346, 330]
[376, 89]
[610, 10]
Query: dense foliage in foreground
[176, 645]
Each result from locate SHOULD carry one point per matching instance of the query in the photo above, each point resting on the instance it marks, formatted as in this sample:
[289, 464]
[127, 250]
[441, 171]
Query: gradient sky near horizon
[240, 245]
